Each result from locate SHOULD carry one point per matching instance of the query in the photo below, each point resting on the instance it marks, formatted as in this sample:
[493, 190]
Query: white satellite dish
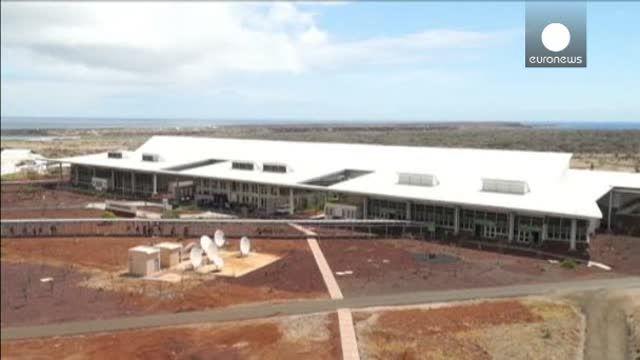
[205, 241]
[245, 246]
[196, 256]
[218, 262]
[211, 251]
[218, 238]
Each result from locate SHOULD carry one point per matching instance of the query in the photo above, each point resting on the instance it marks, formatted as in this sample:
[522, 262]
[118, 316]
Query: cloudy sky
[308, 61]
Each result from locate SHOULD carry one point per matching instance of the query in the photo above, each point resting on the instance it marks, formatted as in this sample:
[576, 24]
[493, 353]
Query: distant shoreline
[42, 126]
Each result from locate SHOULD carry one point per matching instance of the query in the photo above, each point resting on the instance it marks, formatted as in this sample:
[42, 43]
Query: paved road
[254, 311]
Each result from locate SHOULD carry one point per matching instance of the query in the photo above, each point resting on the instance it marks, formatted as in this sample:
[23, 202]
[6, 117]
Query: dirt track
[607, 333]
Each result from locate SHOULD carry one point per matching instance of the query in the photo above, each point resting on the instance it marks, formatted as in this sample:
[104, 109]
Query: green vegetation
[569, 264]
[171, 214]
[108, 215]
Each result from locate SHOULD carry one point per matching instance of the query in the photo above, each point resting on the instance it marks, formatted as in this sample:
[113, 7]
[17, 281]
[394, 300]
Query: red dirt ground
[36, 196]
[295, 275]
[430, 329]
[257, 339]
[26, 300]
[458, 318]
[52, 214]
[620, 252]
[384, 266]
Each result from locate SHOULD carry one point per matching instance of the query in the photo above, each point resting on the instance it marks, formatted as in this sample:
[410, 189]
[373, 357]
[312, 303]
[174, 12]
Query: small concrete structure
[144, 260]
[170, 253]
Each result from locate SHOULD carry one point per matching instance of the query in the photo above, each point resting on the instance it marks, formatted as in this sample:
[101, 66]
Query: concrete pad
[348, 339]
[325, 270]
[236, 266]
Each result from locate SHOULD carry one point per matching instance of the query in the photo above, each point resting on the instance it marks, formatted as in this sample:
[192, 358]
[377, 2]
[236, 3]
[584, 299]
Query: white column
[133, 182]
[291, 202]
[574, 226]
[408, 214]
[61, 177]
[512, 223]
[155, 184]
[456, 221]
[543, 236]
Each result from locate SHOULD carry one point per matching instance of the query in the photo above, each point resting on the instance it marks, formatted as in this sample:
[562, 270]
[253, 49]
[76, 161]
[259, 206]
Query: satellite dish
[245, 246]
[218, 238]
[218, 262]
[205, 241]
[196, 256]
[211, 251]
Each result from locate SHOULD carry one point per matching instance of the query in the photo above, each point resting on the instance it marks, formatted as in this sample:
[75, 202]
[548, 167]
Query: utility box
[144, 260]
[170, 254]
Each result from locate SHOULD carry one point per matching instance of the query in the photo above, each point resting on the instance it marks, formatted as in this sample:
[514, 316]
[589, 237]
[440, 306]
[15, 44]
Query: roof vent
[151, 157]
[242, 165]
[274, 168]
[417, 179]
[505, 186]
[114, 154]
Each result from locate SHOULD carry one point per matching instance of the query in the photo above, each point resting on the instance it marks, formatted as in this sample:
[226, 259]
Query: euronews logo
[555, 35]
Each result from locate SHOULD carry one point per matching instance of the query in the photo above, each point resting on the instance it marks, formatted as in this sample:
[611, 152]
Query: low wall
[178, 228]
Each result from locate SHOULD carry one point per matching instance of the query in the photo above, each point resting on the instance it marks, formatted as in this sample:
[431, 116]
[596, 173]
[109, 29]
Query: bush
[568, 264]
[170, 214]
[108, 215]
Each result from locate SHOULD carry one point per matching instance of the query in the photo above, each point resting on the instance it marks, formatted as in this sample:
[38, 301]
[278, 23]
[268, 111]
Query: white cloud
[193, 41]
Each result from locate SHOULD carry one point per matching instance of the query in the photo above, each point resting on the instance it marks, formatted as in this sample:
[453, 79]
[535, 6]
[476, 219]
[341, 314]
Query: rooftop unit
[115, 155]
[150, 157]
[417, 179]
[242, 165]
[274, 168]
[518, 187]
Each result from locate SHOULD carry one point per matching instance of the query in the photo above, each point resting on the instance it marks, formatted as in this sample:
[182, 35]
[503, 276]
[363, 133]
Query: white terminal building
[524, 197]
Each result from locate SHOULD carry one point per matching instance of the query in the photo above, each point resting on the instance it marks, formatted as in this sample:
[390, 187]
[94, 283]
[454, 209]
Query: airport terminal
[521, 197]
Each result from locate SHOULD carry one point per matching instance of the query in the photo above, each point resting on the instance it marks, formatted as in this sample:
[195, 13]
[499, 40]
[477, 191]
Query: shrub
[170, 214]
[108, 215]
[568, 264]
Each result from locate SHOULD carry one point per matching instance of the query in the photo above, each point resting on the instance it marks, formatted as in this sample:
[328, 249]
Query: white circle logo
[556, 37]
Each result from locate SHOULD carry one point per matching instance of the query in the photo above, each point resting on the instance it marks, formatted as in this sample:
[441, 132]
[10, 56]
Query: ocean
[45, 123]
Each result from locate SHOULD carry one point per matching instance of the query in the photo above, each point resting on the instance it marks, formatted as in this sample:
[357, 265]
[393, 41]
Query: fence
[259, 228]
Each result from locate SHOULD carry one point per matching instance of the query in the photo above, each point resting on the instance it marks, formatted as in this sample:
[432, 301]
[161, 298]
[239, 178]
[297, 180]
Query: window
[114, 155]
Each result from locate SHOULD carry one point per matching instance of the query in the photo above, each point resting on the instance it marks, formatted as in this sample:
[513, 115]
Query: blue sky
[380, 61]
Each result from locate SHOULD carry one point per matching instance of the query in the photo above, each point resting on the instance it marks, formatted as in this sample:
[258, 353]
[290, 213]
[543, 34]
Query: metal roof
[555, 189]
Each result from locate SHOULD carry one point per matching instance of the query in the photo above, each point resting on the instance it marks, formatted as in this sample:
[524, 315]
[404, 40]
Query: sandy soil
[612, 323]
[488, 330]
[82, 265]
[304, 337]
[385, 266]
